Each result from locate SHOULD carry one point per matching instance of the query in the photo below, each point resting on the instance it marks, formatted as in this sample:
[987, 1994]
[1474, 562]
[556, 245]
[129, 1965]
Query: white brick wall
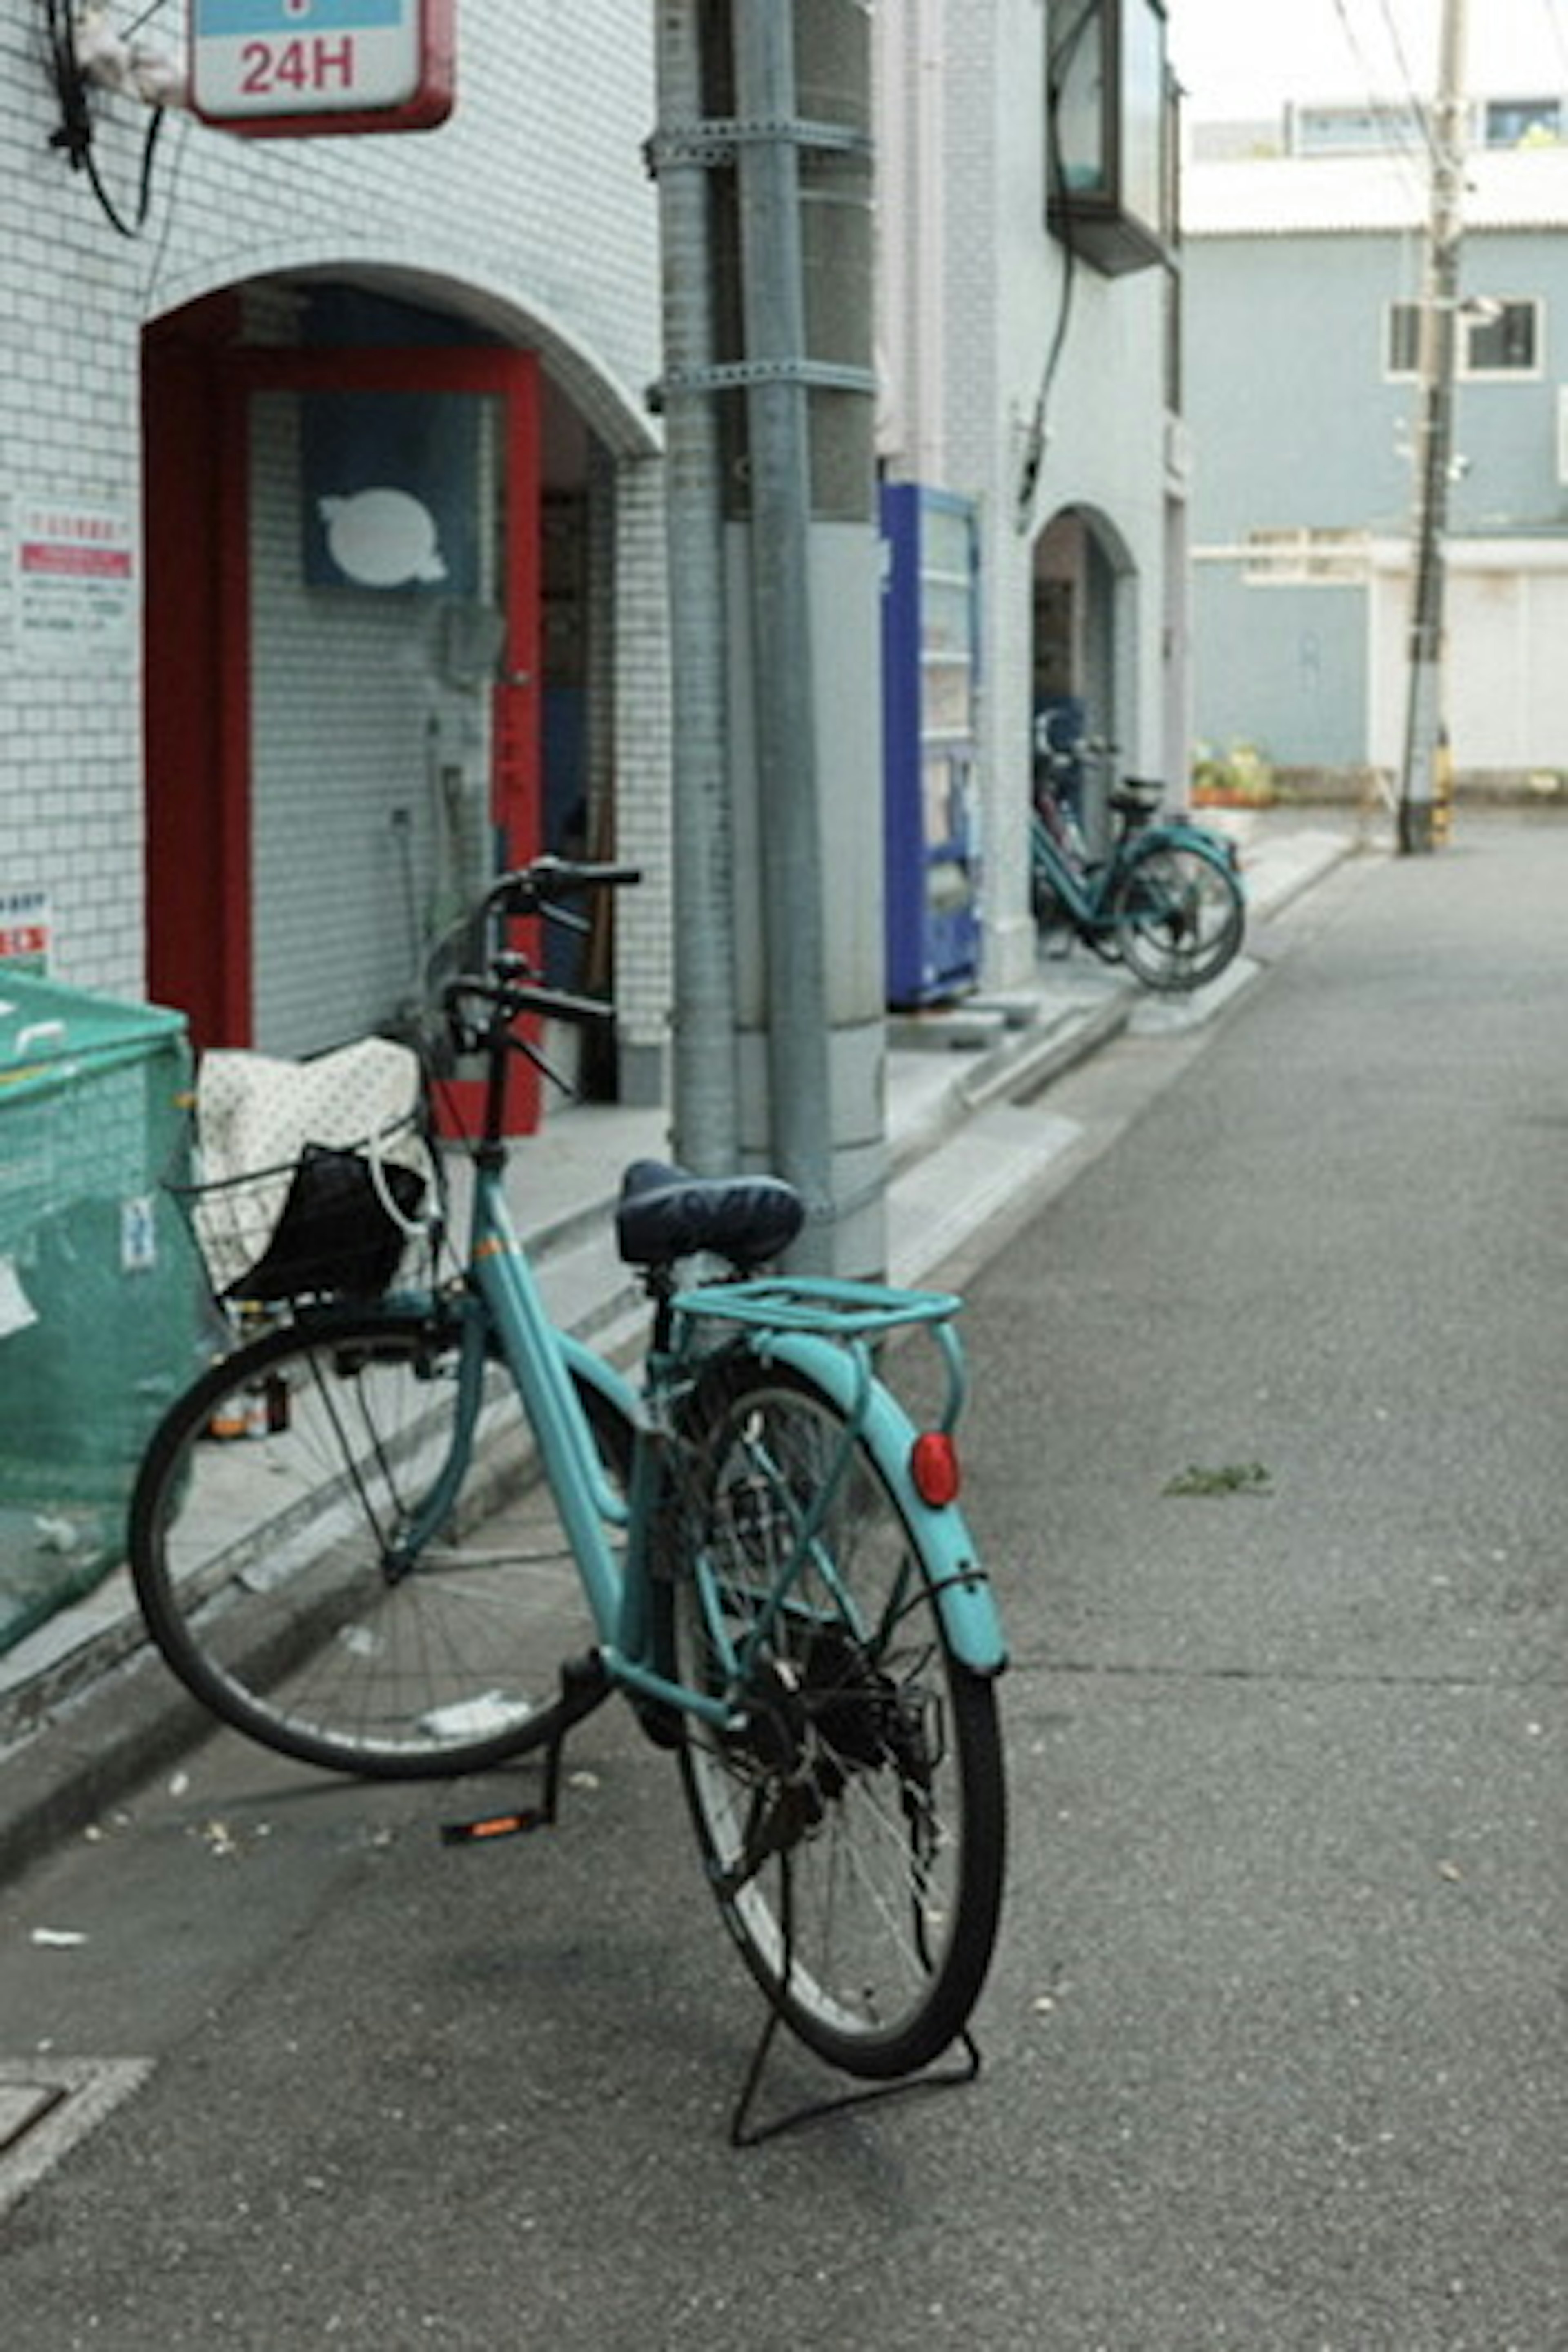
[644, 949]
[529, 212]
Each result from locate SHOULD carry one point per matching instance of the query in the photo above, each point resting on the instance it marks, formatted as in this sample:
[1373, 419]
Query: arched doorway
[367, 663]
[1081, 665]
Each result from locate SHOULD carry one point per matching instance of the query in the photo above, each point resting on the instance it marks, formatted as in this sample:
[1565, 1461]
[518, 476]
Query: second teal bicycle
[1165, 900]
[757, 1546]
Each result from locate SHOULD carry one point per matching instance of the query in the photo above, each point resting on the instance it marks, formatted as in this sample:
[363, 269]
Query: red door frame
[198, 821]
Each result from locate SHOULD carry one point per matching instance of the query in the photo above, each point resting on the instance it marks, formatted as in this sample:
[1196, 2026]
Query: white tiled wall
[530, 211]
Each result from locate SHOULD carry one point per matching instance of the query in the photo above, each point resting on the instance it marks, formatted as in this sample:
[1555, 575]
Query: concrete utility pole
[809, 764]
[775, 348]
[783, 689]
[1433, 443]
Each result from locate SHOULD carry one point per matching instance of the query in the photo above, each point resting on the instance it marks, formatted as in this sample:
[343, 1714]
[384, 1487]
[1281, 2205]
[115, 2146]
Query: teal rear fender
[1180, 833]
[967, 1605]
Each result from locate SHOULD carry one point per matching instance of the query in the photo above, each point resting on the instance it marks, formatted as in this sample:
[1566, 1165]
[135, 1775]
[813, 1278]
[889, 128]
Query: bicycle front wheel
[279, 1554]
[852, 1824]
[1178, 914]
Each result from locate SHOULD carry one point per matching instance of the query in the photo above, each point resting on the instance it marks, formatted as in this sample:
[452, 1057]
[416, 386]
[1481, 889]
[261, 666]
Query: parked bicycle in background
[1164, 898]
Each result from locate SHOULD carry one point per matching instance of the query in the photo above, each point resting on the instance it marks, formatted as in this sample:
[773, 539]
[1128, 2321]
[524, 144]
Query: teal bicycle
[1165, 901]
[441, 1497]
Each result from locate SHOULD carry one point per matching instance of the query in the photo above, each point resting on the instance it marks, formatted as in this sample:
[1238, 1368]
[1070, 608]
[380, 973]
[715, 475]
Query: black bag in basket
[336, 1235]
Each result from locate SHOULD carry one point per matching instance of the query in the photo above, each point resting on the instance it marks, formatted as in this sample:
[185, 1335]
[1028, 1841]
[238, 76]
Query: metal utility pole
[706, 1127]
[764, 156]
[784, 692]
[810, 775]
[1433, 443]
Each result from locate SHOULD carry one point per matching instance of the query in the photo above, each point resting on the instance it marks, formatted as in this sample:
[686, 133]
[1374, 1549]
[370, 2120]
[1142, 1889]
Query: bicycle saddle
[664, 1213]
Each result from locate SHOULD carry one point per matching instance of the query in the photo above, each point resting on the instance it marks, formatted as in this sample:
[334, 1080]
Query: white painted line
[47, 2105]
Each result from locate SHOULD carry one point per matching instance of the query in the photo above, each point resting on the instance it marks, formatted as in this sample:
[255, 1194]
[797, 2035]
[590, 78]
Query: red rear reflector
[933, 1466]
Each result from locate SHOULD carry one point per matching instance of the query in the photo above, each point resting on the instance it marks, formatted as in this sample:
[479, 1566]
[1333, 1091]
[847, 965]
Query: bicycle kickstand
[584, 1683]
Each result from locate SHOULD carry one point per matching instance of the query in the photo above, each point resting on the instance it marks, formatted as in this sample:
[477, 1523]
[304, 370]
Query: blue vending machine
[929, 641]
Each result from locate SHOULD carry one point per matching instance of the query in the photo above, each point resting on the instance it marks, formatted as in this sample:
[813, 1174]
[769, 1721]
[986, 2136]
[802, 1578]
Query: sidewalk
[86, 1710]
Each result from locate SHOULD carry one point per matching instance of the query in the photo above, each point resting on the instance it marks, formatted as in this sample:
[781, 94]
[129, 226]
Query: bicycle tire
[265, 1566]
[855, 1836]
[1178, 915]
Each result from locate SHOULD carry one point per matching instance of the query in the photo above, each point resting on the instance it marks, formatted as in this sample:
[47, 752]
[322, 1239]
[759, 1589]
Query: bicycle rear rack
[854, 1315]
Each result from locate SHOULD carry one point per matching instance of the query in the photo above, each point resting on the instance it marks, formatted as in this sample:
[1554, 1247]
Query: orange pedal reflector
[494, 1826]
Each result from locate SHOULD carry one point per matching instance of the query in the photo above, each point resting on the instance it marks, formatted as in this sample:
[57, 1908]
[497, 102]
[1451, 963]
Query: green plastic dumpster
[100, 1282]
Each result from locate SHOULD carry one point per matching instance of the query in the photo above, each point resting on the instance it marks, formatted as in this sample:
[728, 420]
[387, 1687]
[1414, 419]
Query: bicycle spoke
[850, 1823]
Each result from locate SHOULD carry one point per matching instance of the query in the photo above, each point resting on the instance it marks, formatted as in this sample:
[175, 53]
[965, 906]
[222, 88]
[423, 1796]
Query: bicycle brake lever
[546, 1069]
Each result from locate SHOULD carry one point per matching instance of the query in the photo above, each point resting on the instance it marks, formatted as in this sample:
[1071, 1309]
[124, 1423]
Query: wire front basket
[335, 1222]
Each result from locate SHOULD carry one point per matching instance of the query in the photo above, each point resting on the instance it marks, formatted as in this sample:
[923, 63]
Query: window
[1403, 356]
[1109, 104]
[1305, 558]
[1355, 130]
[1501, 339]
[1523, 121]
[1497, 338]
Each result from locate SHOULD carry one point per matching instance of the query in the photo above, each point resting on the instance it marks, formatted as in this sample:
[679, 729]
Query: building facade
[257, 782]
[1031, 336]
[1304, 280]
[333, 499]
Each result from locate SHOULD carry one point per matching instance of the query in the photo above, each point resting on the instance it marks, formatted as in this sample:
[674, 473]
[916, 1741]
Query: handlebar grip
[509, 997]
[560, 1004]
[531, 888]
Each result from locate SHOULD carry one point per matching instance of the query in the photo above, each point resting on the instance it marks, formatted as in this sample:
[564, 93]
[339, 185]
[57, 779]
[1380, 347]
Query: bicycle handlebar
[512, 986]
[536, 889]
[521, 991]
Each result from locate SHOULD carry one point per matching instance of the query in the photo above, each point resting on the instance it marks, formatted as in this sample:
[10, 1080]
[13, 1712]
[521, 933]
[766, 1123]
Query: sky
[1247, 56]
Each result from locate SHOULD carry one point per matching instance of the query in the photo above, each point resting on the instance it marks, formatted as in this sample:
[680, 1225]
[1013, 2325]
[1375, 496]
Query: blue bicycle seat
[664, 1213]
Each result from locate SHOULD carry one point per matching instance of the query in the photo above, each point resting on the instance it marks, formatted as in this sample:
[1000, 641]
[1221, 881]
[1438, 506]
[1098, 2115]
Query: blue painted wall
[1295, 424]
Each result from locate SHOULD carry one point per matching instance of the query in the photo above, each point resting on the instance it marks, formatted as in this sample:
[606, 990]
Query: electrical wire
[1412, 113]
[1035, 436]
[1418, 110]
[77, 131]
[1558, 41]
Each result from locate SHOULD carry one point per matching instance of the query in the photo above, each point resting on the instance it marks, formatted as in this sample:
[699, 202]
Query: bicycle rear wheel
[1179, 915]
[270, 1551]
[854, 1830]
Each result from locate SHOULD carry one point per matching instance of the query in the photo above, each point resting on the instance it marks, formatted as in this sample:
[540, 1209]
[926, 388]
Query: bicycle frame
[545, 1364]
[1063, 879]
[1086, 896]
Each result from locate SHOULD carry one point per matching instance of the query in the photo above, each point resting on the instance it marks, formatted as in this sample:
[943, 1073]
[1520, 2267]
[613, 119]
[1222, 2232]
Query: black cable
[1396, 122]
[75, 135]
[1061, 60]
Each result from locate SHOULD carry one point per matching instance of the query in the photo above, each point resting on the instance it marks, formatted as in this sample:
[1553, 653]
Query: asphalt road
[1275, 2046]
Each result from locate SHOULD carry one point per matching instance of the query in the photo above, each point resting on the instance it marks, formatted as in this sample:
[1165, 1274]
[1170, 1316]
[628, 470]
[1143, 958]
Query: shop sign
[277, 68]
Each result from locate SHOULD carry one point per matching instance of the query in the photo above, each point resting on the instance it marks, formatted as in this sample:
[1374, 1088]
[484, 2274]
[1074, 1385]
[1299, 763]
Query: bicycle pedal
[498, 1825]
